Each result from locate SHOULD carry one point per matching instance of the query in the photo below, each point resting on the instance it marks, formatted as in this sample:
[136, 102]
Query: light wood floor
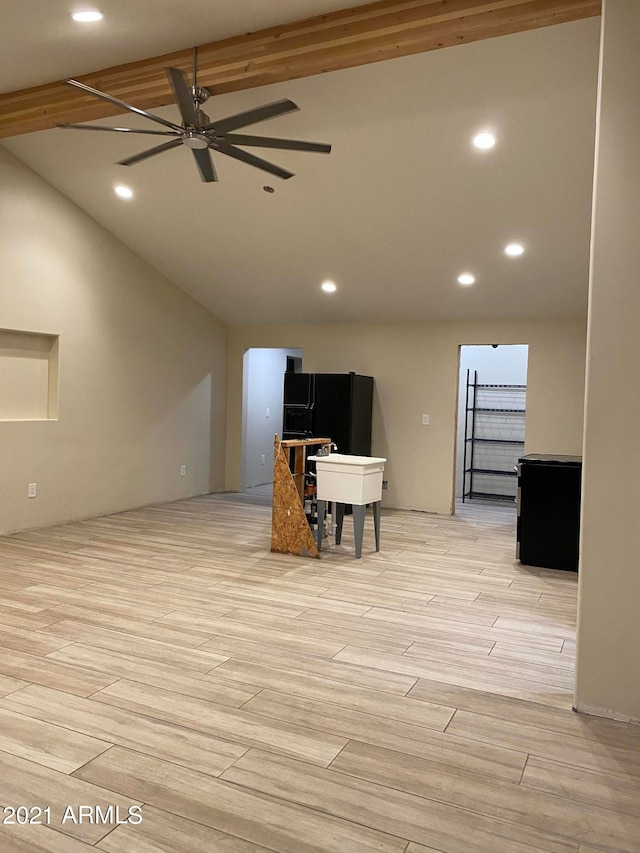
[414, 701]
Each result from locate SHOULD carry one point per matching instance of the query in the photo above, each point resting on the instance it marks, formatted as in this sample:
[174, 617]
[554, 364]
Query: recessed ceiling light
[87, 17]
[329, 286]
[514, 250]
[123, 192]
[484, 140]
[466, 278]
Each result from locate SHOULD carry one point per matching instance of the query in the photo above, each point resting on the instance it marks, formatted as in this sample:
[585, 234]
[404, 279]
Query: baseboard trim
[608, 713]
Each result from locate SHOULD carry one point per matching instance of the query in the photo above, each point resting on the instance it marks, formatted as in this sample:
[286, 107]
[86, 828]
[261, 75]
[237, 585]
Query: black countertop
[551, 459]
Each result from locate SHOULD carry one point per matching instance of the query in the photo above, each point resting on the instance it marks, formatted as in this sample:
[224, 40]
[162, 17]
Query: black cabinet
[549, 492]
[329, 405]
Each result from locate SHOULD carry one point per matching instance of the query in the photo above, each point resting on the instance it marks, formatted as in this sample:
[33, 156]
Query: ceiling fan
[201, 135]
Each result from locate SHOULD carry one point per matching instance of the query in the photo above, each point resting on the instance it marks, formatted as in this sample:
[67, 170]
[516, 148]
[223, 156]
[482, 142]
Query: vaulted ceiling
[402, 205]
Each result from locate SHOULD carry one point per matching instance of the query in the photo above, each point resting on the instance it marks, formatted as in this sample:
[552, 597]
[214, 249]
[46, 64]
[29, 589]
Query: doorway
[492, 388]
[262, 401]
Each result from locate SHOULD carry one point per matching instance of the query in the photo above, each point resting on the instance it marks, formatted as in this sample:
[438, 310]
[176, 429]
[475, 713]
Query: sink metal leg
[376, 522]
[339, 521]
[358, 526]
[320, 526]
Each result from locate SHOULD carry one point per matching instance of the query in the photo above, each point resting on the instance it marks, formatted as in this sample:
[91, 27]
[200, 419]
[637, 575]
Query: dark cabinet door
[298, 389]
[332, 409]
[361, 414]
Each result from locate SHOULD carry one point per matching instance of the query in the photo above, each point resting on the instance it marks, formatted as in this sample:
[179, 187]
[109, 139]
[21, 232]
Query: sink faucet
[326, 449]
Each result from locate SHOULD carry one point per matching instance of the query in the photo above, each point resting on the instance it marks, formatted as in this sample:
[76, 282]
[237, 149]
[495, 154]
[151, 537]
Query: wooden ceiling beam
[383, 30]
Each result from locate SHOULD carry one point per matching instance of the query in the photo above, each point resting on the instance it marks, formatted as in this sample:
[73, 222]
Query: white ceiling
[401, 206]
[41, 43]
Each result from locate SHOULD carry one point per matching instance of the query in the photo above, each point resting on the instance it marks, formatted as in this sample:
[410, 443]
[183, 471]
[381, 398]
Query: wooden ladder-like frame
[290, 530]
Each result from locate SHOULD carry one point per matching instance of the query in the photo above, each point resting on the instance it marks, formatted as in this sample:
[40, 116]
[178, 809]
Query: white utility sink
[349, 479]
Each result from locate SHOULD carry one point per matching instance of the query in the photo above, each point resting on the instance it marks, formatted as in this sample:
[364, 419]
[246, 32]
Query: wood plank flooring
[415, 701]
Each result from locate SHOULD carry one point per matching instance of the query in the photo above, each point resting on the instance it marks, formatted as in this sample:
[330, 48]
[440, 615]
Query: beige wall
[416, 369]
[608, 621]
[142, 367]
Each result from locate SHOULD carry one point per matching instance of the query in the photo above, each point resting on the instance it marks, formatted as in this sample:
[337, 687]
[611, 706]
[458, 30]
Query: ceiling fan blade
[118, 103]
[269, 142]
[252, 116]
[183, 96]
[119, 129]
[202, 156]
[150, 152]
[251, 159]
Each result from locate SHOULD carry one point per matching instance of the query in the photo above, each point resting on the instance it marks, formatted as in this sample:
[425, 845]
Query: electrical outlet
[263, 459]
[183, 470]
[385, 485]
[425, 420]
[267, 412]
[33, 490]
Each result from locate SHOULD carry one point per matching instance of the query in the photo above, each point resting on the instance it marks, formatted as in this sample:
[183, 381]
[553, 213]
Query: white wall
[415, 367]
[142, 367]
[263, 390]
[504, 365]
[609, 596]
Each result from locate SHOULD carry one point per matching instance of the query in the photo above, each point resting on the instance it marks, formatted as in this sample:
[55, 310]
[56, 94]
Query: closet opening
[492, 393]
[262, 407]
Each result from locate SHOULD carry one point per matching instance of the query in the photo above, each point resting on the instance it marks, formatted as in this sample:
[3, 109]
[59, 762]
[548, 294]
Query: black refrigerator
[548, 527]
[329, 405]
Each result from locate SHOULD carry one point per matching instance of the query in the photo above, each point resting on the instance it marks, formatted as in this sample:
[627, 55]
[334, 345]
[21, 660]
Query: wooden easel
[290, 531]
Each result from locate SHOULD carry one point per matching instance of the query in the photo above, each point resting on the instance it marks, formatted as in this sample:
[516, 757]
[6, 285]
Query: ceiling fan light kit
[201, 135]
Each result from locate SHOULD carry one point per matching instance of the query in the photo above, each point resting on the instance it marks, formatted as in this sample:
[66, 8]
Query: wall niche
[28, 376]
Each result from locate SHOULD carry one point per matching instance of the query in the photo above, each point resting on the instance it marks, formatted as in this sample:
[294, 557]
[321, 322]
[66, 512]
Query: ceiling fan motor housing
[193, 139]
